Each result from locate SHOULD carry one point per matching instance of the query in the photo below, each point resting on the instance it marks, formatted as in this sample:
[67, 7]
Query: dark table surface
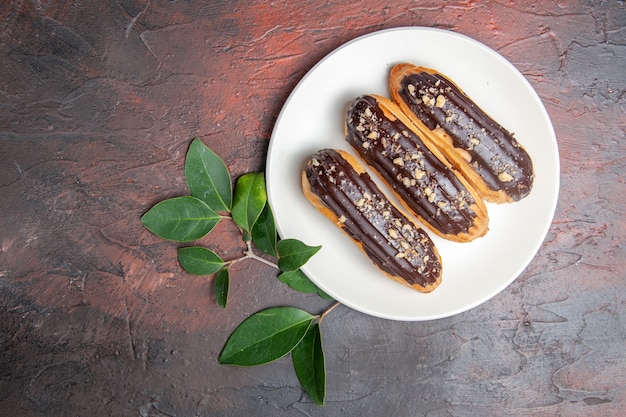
[99, 101]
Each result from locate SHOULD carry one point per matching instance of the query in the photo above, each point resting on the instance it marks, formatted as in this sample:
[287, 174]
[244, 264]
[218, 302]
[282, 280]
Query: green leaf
[199, 261]
[264, 232]
[220, 287]
[308, 362]
[182, 219]
[207, 176]
[292, 254]
[265, 336]
[248, 200]
[300, 282]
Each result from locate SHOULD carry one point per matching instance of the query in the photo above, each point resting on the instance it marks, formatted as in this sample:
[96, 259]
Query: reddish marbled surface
[99, 101]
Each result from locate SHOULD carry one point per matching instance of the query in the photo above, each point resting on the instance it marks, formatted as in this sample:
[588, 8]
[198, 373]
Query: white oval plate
[313, 118]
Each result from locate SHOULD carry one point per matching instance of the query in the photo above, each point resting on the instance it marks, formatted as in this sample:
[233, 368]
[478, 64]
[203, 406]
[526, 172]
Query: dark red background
[99, 101]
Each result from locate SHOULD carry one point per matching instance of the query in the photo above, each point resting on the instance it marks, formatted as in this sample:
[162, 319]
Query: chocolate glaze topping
[495, 153]
[393, 243]
[427, 186]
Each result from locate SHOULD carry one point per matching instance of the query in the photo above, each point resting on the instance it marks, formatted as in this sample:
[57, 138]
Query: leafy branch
[268, 334]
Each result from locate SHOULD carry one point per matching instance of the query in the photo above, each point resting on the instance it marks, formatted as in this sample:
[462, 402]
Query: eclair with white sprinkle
[416, 171]
[340, 188]
[485, 153]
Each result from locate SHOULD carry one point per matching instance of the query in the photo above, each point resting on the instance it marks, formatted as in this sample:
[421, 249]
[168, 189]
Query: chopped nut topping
[431, 197]
[411, 88]
[474, 141]
[400, 255]
[393, 234]
[368, 112]
[373, 134]
[441, 100]
[505, 176]
[418, 173]
[407, 182]
[366, 145]
[398, 161]
[367, 196]
[428, 100]
[442, 204]
[360, 202]
[342, 219]
[315, 162]
[404, 244]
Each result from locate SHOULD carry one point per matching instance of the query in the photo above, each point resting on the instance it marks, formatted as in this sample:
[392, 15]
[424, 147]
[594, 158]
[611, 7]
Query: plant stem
[250, 254]
[328, 310]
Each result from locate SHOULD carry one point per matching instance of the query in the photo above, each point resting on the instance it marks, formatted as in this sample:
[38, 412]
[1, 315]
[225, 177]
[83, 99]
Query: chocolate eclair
[481, 149]
[417, 172]
[340, 188]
